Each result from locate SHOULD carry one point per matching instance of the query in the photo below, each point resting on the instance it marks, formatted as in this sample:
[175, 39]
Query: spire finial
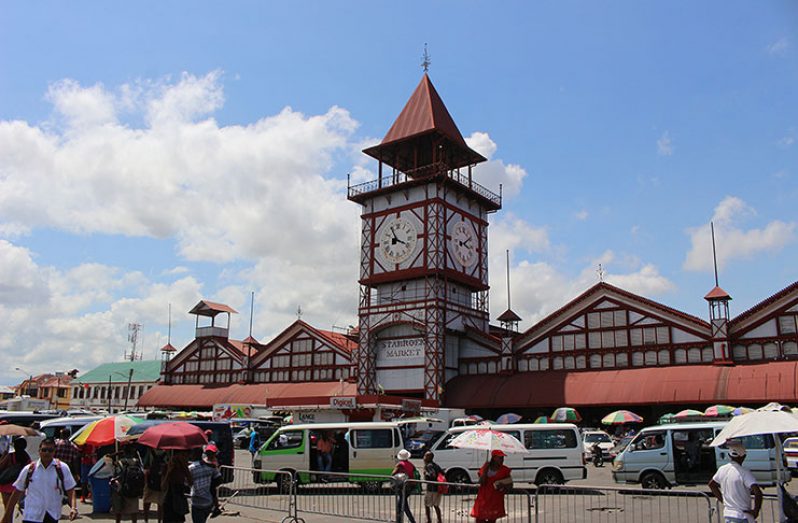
[601, 272]
[299, 312]
[426, 62]
[714, 256]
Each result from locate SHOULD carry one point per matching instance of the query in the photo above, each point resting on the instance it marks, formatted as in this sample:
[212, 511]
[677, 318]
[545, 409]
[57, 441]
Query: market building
[424, 331]
[115, 387]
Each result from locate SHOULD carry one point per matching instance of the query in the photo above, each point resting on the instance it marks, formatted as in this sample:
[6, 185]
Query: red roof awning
[210, 308]
[205, 396]
[678, 385]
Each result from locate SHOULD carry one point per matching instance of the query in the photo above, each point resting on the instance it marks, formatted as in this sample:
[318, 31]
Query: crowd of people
[176, 484]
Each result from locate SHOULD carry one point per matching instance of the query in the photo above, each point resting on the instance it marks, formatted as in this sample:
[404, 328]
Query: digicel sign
[344, 402]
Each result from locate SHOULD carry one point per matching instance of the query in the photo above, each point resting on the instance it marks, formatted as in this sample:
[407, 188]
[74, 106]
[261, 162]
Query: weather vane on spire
[600, 272]
[426, 63]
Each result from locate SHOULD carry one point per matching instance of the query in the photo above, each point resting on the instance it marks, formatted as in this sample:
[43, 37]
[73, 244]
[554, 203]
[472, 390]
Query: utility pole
[127, 393]
[109, 395]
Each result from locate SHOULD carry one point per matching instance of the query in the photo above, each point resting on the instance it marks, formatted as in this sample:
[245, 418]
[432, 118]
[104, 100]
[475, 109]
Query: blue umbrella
[510, 417]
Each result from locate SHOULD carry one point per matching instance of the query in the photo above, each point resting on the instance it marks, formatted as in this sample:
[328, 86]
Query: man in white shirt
[733, 485]
[44, 488]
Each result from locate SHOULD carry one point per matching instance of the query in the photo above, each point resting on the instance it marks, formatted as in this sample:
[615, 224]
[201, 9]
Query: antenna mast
[133, 330]
[251, 311]
[507, 255]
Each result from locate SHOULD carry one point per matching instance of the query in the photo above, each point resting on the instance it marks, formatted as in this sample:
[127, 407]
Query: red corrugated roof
[685, 384]
[338, 339]
[209, 308]
[168, 348]
[509, 316]
[717, 294]
[766, 302]
[202, 396]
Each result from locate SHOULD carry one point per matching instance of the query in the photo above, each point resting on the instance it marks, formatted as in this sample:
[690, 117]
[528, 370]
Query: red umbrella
[174, 436]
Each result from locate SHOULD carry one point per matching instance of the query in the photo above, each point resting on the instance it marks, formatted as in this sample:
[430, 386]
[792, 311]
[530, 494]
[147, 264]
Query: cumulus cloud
[493, 173]
[665, 144]
[731, 239]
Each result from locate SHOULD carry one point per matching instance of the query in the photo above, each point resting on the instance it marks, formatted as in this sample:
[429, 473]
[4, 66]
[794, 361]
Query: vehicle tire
[653, 480]
[458, 476]
[284, 482]
[549, 477]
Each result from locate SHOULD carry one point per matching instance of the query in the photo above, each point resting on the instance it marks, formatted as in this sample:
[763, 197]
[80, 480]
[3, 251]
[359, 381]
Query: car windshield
[597, 438]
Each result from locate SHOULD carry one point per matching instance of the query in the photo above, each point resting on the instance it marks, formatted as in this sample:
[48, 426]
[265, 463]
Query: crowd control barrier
[295, 495]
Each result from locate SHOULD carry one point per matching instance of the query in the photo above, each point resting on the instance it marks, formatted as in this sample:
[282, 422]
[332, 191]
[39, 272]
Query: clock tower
[423, 253]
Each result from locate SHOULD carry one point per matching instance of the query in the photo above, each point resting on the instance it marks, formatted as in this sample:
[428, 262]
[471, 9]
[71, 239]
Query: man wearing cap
[204, 479]
[733, 485]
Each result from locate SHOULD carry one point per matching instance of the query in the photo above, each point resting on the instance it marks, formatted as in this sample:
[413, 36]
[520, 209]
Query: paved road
[353, 504]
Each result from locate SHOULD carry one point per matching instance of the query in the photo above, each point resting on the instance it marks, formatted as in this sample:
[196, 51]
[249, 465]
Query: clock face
[464, 244]
[398, 240]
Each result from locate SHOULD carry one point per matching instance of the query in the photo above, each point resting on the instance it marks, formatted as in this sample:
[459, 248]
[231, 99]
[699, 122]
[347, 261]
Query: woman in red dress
[494, 482]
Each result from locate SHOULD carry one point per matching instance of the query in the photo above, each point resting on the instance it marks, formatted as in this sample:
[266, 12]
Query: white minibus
[365, 448]
[679, 454]
[554, 454]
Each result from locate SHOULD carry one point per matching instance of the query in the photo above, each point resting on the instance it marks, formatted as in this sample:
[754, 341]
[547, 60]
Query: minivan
[366, 448]
[554, 454]
[679, 454]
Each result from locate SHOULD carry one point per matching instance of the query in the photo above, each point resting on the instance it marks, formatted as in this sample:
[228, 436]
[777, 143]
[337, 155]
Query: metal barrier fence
[558, 503]
[365, 497]
[769, 513]
[456, 504]
[261, 489]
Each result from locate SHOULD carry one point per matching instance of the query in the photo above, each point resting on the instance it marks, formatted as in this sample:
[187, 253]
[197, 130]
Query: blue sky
[155, 153]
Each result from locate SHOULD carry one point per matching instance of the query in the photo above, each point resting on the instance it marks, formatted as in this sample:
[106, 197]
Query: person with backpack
[127, 484]
[10, 466]
[44, 483]
[154, 469]
[204, 480]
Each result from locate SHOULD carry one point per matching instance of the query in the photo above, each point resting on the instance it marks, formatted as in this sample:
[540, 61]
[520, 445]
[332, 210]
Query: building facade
[115, 387]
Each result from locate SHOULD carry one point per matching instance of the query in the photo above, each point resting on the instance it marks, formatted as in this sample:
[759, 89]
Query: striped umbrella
[565, 414]
[688, 413]
[666, 418]
[619, 417]
[105, 431]
[541, 419]
[718, 410]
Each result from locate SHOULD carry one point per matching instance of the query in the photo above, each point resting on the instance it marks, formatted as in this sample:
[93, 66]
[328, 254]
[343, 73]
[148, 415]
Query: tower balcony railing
[207, 332]
[428, 171]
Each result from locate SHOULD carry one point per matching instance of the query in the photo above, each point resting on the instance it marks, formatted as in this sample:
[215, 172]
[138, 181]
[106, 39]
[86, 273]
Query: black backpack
[131, 480]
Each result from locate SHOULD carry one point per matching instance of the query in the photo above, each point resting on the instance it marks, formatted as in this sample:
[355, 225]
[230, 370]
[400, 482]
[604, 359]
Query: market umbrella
[688, 413]
[105, 431]
[9, 429]
[666, 418]
[774, 406]
[739, 411]
[173, 436]
[489, 440]
[565, 414]
[510, 417]
[760, 422]
[541, 419]
[718, 410]
[619, 417]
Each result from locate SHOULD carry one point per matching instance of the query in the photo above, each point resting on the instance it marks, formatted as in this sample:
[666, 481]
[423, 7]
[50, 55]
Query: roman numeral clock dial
[464, 244]
[397, 240]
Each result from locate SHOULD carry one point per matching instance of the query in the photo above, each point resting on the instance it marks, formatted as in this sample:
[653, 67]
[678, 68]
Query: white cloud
[788, 139]
[731, 240]
[493, 173]
[665, 144]
[778, 47]
[582, 215]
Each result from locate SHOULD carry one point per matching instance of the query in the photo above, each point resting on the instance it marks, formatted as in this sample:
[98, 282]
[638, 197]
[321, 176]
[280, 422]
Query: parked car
[791, 453]
[603, 439]
[421, 442]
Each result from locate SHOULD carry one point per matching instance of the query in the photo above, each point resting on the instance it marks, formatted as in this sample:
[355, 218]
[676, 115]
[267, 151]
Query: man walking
[733, 486]
[432, 498]
[204, 478]
[44, 482]
[68, 452]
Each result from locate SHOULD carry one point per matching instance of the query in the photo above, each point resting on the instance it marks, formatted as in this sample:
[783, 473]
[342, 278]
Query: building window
[787, 324]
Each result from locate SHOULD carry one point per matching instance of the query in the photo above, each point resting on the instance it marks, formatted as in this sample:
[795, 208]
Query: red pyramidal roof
[425, 113]
[717, 294]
